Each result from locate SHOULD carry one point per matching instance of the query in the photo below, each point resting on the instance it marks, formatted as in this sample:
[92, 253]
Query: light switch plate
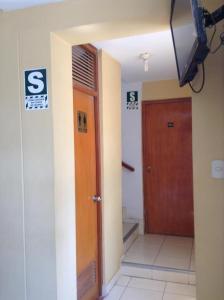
[218, 169]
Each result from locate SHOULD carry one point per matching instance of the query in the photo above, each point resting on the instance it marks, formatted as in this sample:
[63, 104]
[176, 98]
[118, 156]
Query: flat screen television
[189, 38]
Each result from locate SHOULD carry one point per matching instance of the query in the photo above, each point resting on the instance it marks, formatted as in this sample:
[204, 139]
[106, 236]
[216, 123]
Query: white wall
[132, 186]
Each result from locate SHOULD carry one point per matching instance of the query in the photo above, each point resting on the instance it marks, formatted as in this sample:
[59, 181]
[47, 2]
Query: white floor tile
[177, 297]
[147, 284]
[175, 247]
[181, 289]
[123, 281]
[136, 272]
[171, 276]
[173, 262]
[115, 293]
[180, 239]
[141, 294]
[175, 253]
[144, 250]
[161, 251]
[141, 257]
[152, 239]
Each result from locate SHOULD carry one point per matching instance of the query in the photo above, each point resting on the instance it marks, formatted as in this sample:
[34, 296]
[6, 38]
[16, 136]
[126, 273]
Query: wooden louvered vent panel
[84, 67]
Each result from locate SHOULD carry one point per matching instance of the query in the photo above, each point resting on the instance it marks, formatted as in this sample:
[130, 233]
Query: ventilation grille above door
[84, 67]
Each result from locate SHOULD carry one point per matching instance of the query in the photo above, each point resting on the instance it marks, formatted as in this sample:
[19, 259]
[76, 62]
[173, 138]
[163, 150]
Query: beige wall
[12, 252]
[38, 174]
[64, 177]
[30, 188]
[165, 89]
[33, 188]
[208, 144]
[72, 15]
[110, 111]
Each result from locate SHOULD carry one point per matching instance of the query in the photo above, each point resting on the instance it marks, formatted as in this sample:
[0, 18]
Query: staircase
[130, 233]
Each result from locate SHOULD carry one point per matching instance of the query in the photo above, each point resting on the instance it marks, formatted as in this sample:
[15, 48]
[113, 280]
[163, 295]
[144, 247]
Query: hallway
[156, 267]
[169, 252]
[128, 288]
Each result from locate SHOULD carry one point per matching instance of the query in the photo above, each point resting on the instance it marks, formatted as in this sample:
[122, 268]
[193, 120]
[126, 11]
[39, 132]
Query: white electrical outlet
[218, 169]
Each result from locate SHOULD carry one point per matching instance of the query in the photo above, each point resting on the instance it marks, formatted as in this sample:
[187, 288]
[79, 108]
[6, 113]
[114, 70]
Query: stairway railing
[128, 167]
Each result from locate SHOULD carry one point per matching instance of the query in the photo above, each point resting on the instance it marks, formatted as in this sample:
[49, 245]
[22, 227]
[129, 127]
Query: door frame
[95, 95]
[144, 105]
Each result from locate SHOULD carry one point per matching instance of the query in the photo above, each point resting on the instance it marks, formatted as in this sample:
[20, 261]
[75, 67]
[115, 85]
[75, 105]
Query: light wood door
[168, 187]
[87, 232]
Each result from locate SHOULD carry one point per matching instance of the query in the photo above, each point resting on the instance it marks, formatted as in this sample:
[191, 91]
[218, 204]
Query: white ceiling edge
[150, 80]
[162, 64]
[10, 5]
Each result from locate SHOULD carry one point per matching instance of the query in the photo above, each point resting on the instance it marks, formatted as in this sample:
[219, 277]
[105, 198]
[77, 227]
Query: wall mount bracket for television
[215, 17]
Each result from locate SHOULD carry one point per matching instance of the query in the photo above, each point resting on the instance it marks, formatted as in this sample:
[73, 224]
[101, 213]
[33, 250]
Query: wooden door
[167, 152]
[87, 231]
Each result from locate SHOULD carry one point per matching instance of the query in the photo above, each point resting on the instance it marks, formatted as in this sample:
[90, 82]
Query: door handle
[148, 169]
[96, 198]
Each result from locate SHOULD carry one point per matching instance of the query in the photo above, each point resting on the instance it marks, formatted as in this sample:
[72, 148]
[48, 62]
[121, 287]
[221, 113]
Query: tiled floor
[128, 288]
[162, 251]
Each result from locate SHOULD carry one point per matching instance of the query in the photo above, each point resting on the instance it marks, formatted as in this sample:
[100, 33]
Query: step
[158, 273]
[130, 234]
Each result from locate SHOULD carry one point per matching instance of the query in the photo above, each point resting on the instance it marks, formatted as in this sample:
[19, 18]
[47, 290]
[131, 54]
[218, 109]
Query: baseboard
[139, 221]
[130, 240]
[107, 287]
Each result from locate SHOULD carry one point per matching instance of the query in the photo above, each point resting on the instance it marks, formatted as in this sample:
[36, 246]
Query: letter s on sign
[132, 96]
[37, 86]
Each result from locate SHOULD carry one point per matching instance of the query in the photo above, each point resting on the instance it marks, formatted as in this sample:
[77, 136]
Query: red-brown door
[87, 207]
[167, 159]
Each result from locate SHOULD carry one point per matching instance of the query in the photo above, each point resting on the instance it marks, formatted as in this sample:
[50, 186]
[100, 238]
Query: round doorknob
[96, 198]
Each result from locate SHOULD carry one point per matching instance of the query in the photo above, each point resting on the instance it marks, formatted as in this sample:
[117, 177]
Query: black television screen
[189, 38]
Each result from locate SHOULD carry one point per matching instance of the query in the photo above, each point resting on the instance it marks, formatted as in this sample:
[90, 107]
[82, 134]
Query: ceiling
[126, 51]
[19, 4]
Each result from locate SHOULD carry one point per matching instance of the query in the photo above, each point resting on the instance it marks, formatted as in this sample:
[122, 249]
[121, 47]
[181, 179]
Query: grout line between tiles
[129, 281]
[164, 291]
[157, 268]
[192, 247]
[160, 248]
[122, 294]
